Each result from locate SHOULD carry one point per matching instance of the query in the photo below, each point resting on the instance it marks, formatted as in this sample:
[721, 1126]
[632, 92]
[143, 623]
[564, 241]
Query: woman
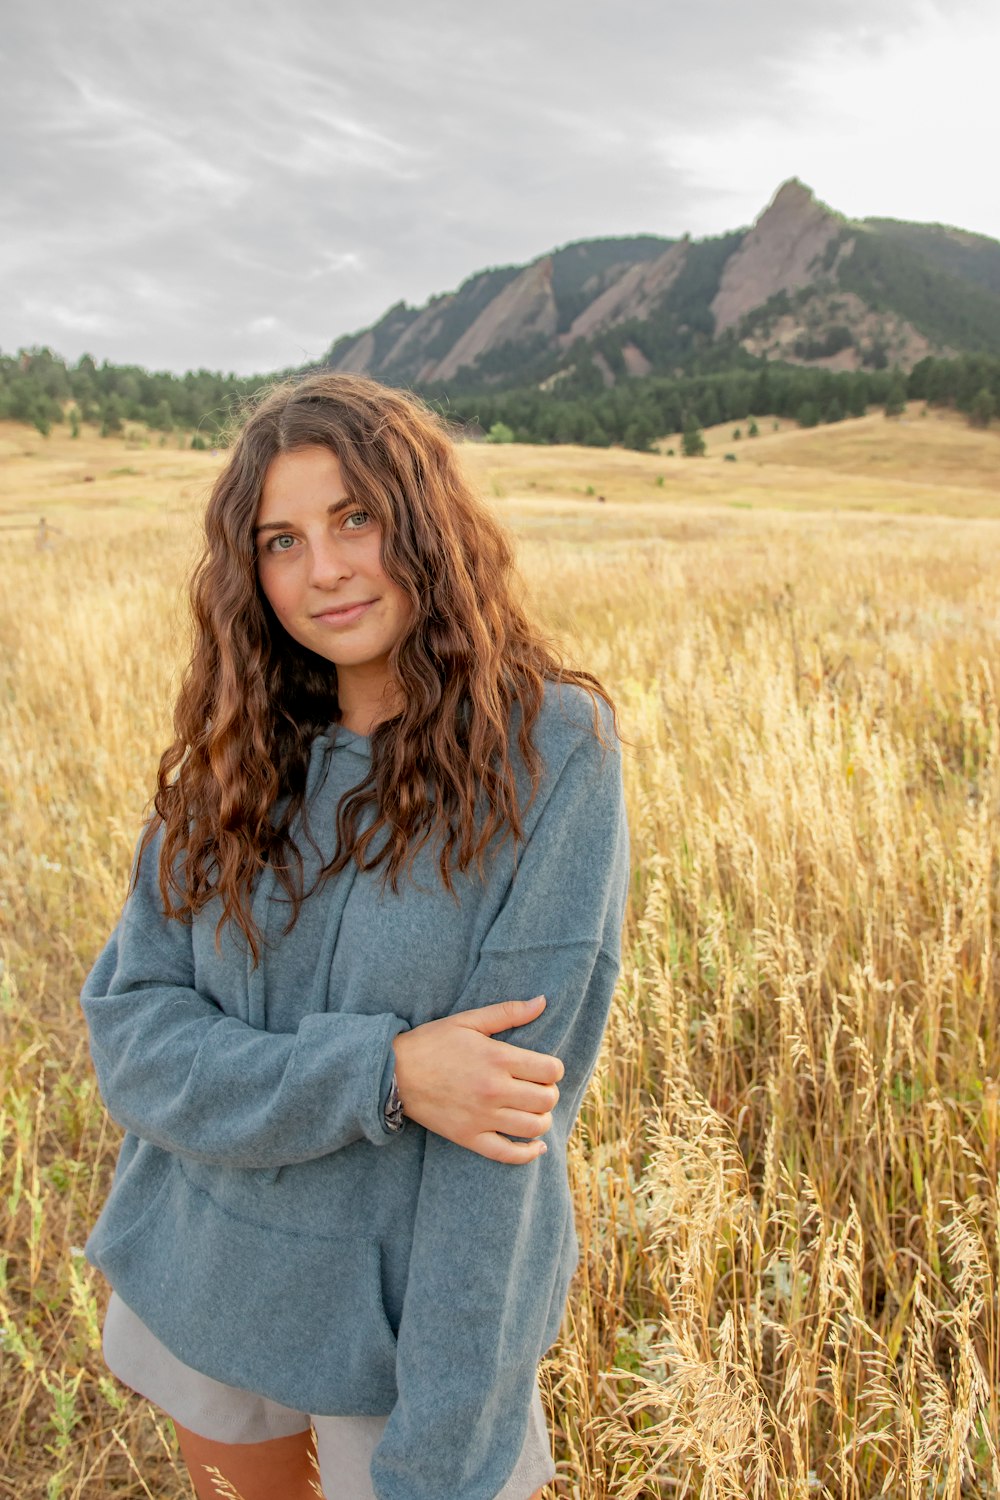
[390, 827]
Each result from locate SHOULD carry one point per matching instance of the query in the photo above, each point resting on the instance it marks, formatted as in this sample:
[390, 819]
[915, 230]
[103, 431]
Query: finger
[502, 1015]
[528, 1098]
[526, 1063]
[498, 1148]
[516, 1122]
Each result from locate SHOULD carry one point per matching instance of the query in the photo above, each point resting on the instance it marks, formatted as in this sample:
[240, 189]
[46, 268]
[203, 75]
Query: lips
[344, 614]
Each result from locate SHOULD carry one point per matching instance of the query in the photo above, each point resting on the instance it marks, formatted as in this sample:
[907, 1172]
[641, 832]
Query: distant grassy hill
[930, 464]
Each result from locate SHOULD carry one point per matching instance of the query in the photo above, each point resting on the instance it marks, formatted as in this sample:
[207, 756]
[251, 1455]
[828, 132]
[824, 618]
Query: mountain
[803, 285]
[973, 257]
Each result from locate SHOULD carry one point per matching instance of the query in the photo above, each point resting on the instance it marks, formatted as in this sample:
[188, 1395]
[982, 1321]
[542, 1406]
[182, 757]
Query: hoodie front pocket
[299, 1318]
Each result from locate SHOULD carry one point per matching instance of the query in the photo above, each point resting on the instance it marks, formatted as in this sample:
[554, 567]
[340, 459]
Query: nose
[329, 563]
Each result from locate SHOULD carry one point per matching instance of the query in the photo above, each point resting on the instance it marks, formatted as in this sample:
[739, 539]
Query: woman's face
[319, 568]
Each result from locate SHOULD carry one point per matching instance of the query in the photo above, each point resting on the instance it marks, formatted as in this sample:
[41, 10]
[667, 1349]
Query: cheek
[403, 609]
[274, 587]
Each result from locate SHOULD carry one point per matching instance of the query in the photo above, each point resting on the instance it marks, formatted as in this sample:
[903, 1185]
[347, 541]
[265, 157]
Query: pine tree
[111, 416]
[895, 401]
[162, 418]
[693, 441]
[640, 434]
[983, 408]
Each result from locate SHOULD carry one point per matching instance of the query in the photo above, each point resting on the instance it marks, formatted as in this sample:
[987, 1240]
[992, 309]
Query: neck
[362, 711]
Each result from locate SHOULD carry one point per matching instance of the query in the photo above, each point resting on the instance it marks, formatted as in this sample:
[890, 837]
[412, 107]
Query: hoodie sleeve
[177, 1071]
[494, 1244]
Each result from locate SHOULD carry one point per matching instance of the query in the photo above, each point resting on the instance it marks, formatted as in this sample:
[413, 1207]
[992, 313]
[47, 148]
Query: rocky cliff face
[526, 306]
[783, 252]
[633, 295]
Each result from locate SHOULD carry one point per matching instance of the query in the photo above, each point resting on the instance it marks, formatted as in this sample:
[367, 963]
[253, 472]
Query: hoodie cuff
[385, 1086]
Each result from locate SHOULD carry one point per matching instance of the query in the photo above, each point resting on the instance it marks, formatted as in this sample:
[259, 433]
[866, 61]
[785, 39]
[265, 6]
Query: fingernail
[543, 1150]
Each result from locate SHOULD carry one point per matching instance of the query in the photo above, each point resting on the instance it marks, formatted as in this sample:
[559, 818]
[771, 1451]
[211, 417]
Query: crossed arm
[167, 1056]
[456, 1079]
[176, 1070]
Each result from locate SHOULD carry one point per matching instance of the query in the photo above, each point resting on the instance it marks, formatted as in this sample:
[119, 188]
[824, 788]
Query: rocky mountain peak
[780, 253]
[790, 196]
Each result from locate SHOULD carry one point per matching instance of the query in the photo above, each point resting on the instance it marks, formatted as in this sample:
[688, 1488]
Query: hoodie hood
[336, 737]
[344, 739]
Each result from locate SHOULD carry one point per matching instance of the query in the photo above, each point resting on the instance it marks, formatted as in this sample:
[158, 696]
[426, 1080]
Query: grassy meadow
[786, 1171]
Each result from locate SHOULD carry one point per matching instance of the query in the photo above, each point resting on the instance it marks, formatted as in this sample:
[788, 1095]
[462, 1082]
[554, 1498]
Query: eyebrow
[331, 510]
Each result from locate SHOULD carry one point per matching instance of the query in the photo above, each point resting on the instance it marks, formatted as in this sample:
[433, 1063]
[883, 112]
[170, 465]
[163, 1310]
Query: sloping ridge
[633, 295]
[525, 306]
[780, 253]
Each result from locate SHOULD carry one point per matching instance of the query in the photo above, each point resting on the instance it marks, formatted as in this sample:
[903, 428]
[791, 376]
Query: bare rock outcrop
[357, 357]
[421, 331]
[636, 362]
[797, 337]
[781, 253]
[525, 306]
[632, 295]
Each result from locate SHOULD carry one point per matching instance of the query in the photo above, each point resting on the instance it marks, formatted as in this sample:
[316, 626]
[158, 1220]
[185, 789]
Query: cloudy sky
[235, 185]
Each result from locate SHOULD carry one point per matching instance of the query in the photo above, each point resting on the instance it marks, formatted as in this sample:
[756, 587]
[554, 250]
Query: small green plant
[737, 434]
[753, 430]
[63, 1389]
[500, 433]
[730, 458]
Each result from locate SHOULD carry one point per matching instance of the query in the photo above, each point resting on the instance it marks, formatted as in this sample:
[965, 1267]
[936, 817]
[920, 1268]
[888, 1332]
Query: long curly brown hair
[252, 700]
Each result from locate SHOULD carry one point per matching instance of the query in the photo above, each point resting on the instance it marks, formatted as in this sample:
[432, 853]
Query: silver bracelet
[394, 1108]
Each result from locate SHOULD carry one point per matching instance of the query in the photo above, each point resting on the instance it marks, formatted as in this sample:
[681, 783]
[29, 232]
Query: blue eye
[354, 515]
[274, 544]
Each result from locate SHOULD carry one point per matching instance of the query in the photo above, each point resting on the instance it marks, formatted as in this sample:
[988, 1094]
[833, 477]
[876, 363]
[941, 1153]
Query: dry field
[786, 1169]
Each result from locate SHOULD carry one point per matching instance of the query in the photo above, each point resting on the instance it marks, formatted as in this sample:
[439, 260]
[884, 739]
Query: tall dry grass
[786, 1168]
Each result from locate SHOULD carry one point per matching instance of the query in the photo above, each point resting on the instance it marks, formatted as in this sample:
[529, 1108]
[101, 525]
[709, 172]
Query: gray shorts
[226, 1414]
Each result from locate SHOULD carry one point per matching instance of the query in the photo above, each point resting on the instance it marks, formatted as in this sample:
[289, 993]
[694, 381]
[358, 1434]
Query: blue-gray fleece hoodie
[263, 1222]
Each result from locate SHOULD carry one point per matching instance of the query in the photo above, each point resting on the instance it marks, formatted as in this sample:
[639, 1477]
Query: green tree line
[37, 386]
[637, 412]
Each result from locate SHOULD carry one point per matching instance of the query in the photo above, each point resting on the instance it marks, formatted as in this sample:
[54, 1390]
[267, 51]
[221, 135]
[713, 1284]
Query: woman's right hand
[456, 1079]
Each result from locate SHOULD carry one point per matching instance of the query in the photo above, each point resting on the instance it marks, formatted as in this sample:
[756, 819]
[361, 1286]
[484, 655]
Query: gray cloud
[237, 185]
